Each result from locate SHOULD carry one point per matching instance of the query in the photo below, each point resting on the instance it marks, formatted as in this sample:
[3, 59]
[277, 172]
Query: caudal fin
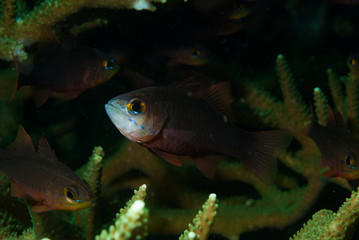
[262, 153]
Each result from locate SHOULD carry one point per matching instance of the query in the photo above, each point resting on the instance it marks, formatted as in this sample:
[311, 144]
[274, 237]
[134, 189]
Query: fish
[188, 118]
[339, 149]
[191, 56]
[38, 176]
[66, 68]
[353, 64]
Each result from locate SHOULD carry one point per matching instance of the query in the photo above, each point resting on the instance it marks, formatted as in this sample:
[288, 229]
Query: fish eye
[109, 63]
[71, 194]
[195, 53]
[349, 161]
[136, 106]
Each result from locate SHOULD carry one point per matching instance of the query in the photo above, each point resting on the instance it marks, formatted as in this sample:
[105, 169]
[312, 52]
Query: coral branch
[25, 30]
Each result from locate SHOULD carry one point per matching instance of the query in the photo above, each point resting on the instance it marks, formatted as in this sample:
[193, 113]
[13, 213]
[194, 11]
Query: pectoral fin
[40, 95]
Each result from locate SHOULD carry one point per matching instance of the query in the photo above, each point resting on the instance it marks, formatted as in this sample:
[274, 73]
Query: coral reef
[247, 208]
[19, 27]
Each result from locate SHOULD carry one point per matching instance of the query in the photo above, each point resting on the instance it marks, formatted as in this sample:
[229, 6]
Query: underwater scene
[179, 119]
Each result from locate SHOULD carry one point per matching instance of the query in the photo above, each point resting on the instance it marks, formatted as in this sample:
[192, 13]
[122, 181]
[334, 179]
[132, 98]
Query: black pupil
[136, 107]
[348, 161]
[195, 53]
[111, 63]
[70, 195]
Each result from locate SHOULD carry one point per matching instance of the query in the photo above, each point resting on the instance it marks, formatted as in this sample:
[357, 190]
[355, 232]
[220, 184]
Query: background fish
[186, 119]
[61, 68]
[39, 176]
[338, 148]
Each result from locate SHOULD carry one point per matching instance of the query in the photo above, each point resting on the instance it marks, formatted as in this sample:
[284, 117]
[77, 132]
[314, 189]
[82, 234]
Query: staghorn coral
[327, 225]
[20, 28]
[203, 221]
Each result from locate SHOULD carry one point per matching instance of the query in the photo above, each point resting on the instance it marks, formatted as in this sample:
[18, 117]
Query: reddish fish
[187, 56]
[69, 70]
[338, 148]
[185, 119]
[40, 177]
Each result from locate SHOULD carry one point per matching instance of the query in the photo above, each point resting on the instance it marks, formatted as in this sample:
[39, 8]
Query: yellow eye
[71, 194]
[136, 106]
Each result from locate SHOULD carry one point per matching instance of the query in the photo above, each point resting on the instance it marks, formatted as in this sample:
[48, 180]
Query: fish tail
[19, 81]
[262, 151]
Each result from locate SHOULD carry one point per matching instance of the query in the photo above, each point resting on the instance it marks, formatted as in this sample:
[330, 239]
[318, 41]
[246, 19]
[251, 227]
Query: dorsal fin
[22, 142]
[340, 124]
[219, 97]
[192, 84]
[45, 149]
[336, 121]
[331, 122]
[47, 42]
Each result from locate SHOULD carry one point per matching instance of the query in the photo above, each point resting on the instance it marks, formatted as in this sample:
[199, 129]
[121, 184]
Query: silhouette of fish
[63, 68]
[40, 177]
[187, 119]
[339, 149]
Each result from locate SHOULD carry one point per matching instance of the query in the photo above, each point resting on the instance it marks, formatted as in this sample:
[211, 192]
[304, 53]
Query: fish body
[69, 70]
[338, 148]
[40, 177]
[184, 120]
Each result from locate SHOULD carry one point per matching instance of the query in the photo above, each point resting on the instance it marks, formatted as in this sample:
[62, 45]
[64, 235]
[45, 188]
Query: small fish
[191, 56]
[338, 148]
[41, 178]
[60, 68]
[185, 119]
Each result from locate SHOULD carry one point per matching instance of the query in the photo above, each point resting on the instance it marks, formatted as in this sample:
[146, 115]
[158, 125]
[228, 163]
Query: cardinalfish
[41, 178]
[191, 56]
[353, 64]
[184, 119]
[60, 68]
[338, 148]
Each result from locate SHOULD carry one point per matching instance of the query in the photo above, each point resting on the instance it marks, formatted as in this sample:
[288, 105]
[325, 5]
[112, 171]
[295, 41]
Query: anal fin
[207, 164]
[168, 157]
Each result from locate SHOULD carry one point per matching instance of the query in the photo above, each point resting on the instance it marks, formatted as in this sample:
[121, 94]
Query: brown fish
[338, 148]
[40, 177]
[186, 119]
[60, 68]
[191, 56]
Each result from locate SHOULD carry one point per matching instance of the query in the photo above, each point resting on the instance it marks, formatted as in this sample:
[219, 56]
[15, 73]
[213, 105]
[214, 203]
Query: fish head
[70, 194]
[107, 67]
[137, 115]
[348, 163]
